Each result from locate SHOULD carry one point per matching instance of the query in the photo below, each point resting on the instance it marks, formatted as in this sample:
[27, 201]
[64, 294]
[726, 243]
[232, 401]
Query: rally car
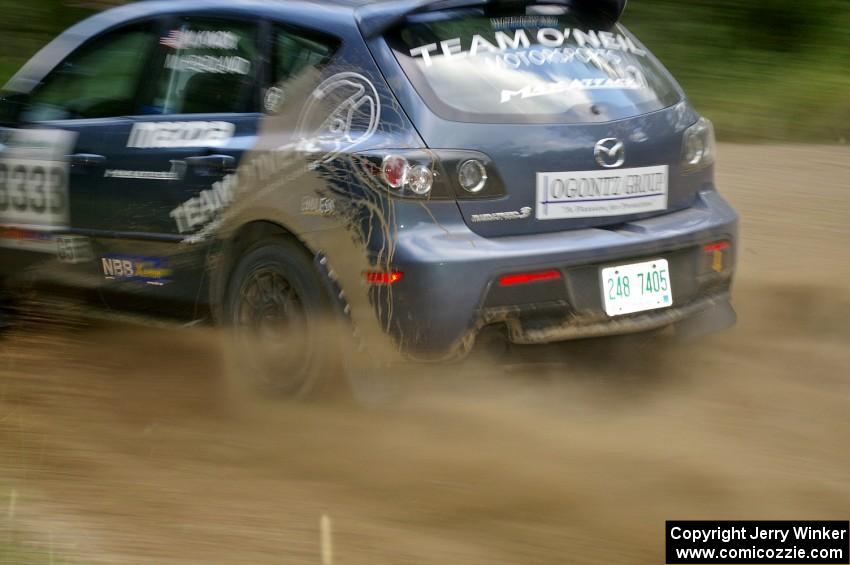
[412, 172]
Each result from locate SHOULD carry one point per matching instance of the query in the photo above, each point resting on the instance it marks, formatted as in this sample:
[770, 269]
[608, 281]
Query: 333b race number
[33, 190]
[34, 177]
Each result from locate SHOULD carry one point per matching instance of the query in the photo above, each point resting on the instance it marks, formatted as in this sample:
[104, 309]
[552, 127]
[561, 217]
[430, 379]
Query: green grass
[18, 548]
[18, 552]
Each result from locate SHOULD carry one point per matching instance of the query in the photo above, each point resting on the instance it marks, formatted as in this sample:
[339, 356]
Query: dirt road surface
[120, 444]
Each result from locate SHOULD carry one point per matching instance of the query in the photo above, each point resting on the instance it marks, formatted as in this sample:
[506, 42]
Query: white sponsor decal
[203, 208]
[317, 206]
[502, 41]
[577, 84]
[34, 178]
[513, 22]
[141, 175]
[146, 135]
[212, 64]
[523, 213]
[593, 194]
[187, 39]
[274, 99]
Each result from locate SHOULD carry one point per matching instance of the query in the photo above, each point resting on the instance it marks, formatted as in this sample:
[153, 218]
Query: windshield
[470, 67]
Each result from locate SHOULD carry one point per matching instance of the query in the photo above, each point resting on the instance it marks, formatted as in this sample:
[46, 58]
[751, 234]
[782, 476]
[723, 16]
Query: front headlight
[698, 146]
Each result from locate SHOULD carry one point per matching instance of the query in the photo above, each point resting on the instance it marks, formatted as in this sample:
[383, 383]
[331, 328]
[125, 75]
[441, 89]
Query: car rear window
[472, 67]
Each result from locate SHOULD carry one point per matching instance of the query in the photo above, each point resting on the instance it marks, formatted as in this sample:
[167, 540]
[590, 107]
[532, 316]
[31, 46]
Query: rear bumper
[450, 291]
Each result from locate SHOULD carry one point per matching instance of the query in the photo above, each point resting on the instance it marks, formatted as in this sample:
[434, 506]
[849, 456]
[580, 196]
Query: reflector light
[716, 246]
[383, 277]
[524, 278]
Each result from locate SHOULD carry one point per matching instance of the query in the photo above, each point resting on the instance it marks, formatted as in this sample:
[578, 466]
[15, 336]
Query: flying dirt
[127, 444]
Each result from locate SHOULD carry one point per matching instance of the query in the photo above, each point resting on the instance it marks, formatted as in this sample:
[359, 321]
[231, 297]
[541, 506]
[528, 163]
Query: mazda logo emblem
[610, 152]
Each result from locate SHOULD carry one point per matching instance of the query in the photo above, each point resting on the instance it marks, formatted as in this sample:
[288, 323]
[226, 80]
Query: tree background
[761, 69]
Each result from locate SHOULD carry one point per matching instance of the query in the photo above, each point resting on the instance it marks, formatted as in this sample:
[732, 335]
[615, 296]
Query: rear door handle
[212, 163]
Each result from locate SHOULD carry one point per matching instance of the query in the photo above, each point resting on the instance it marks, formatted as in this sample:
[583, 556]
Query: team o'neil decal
[149, 135]
[612, 54]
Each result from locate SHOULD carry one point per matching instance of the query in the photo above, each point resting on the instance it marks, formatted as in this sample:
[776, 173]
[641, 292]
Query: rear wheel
[284, 340]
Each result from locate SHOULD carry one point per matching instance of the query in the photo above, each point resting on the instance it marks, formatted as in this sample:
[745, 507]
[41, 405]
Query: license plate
[637, 287]
[596, 194]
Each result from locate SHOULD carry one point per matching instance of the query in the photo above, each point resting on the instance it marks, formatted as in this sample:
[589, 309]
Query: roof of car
[372, 17]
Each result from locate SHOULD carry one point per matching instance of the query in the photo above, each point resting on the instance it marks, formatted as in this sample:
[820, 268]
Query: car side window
[209, 66]
[293, 54]
[99, 80]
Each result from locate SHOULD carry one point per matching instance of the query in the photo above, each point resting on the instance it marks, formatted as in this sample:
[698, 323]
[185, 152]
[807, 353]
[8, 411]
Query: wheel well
[233, 248]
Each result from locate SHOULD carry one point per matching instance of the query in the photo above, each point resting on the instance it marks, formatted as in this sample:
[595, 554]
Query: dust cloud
[121, 444]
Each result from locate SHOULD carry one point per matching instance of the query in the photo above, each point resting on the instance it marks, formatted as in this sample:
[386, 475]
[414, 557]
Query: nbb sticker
[150, 270]
[34, 178]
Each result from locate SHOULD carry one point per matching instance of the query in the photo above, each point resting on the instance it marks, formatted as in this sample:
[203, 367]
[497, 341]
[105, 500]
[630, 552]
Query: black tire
[283, 335]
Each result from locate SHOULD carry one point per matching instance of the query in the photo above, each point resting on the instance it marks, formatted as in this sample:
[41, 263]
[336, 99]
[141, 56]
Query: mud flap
[719, 317]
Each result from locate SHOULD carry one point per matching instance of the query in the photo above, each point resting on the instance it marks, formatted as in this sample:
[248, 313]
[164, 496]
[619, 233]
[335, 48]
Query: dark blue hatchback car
[410, 171]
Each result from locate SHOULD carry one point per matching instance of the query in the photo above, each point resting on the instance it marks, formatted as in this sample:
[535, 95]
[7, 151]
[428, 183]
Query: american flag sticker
[174, 39]
[188, 39]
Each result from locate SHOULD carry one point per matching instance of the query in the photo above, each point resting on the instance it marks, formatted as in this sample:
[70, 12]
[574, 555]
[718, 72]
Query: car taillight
[394, 170]
[716, 253]
[383, 277]
[716, 246]
[435, 174]
[530, 277]
[401, 176]
[420, 180]
[698, 146]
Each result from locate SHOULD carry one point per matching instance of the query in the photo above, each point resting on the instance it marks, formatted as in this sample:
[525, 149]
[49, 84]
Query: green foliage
[27, 26]
[761, 69]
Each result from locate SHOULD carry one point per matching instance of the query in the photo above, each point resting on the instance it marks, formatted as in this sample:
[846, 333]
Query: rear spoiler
[376, 18]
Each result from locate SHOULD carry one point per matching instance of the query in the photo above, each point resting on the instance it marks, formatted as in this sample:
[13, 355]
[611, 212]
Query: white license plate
[638, 287]
[596, 194]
